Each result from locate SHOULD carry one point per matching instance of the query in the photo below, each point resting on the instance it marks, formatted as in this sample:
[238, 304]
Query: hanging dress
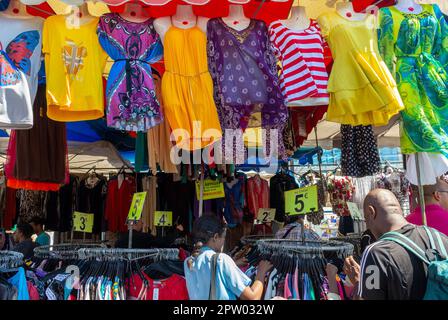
[362, 90]
[20, 60]
[244, 71]
[131, 102]
[74, 65]
[187, 89]
[415, 49]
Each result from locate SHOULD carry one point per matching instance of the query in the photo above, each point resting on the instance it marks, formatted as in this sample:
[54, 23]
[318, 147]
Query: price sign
[163, 219]
[301, 201]
[136, 209]
[82, 222]
[266, 215]
[355, 212]
[213, 189]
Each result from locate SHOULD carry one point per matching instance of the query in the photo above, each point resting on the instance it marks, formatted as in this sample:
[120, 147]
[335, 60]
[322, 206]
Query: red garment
[304, 119]
[173, 288]
[32, 291]
[182, 254]
[118, 202]
[361, 5]
[11, 208]
[31, 185]
[257, 195]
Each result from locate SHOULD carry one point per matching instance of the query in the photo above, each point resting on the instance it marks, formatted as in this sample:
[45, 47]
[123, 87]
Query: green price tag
[136, 209]
[82, 222]
[163, 219]
[355, 212]
[266, 215]
[301, 201]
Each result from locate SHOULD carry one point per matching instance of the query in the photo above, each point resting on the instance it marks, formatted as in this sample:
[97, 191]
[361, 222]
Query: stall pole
[420, 190]
[201, 195]
[131, 230]
[319, 156]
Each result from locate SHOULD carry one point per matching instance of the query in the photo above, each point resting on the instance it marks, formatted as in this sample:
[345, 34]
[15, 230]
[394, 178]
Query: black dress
[91, 198]
[278, 185]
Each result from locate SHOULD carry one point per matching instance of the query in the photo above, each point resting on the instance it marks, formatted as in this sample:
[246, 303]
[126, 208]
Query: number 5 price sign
[301, 201]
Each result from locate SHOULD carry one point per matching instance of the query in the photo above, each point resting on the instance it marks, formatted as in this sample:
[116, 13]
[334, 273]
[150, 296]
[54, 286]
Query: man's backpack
[435, 258]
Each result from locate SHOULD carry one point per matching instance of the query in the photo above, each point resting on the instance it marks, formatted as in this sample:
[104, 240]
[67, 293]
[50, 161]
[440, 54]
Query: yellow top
[362, 90]
[74, 63]
[187, 89]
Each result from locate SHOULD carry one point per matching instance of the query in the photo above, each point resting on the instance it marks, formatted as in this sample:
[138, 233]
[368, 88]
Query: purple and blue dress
[131, 100]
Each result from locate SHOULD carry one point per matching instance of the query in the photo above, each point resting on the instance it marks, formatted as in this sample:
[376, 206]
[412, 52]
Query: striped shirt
[304, 77]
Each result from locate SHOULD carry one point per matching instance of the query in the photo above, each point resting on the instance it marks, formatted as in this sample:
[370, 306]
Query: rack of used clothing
[299, 267]
[91, 272]
[12, 279]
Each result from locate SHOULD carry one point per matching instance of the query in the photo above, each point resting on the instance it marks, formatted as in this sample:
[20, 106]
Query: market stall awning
[329, 135]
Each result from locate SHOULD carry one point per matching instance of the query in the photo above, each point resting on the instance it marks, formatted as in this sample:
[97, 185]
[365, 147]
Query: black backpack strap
[289, 231]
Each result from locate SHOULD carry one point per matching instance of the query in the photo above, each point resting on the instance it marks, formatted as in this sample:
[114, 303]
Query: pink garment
[296, 283]
[32, 290]
[341, 292]
[436, 217]
[257, 195]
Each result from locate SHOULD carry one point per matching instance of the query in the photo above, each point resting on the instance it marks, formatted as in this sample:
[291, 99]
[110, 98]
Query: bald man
[388, 271]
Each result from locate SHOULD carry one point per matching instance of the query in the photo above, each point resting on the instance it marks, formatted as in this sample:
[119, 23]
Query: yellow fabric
[74, 62]
[187, 89]
[362, 90]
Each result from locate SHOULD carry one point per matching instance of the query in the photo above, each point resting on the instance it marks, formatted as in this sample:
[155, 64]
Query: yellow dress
[187, 89]
[362, 90]
[74, 64]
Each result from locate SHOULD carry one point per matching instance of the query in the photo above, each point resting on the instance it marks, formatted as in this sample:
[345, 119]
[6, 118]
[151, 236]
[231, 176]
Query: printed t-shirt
[20, 61]
[74, 63]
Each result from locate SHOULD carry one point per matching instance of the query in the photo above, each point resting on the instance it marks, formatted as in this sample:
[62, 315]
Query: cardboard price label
[213, 189]
[266, 215]
[163, 219]
[136, 209]
[82, 222]
[301, 201]
[355, 212]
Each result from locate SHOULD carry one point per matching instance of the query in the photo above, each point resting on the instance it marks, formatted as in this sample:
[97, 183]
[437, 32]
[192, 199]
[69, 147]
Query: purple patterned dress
[244, 70]
[130, 94]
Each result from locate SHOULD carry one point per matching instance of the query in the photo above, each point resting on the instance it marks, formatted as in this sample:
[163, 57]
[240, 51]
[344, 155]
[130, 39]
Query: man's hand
[264, 267]
[331, 270]
[352, 270]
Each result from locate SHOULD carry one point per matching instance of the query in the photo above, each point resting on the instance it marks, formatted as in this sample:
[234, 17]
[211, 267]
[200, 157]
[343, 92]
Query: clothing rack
[270, 247]
[252, 240]
[108, 254]
[10, 260]
[62, 251]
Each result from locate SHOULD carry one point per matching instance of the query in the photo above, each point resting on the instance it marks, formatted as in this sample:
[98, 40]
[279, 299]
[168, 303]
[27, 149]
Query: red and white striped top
[304, 77]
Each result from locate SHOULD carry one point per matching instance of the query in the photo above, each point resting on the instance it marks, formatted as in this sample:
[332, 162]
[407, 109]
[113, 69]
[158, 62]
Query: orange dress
[187, 89]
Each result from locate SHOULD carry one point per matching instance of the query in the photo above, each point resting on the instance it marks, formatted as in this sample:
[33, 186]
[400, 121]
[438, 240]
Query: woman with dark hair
[213, 275]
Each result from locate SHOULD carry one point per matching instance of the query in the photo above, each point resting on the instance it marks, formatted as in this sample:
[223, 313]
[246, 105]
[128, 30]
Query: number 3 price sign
[82, 222]
[301, 201]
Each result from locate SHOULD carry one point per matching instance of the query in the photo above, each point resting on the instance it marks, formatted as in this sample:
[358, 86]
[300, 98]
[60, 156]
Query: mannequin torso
[134, 12]
[78, 16]
[183, 19]
[298, 20]
[409, 6]
[346, 10]
[236, 18]
[16, 9]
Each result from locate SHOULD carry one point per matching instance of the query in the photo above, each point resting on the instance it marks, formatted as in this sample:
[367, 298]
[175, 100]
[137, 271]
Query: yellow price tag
[213, 189]
[163, 219]
[301, 201]
[266, 215]
[355, 212]
[136, 209]
[83, 222]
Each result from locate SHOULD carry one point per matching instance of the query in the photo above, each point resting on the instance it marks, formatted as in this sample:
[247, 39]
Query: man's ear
[372, 212]
[436, 196]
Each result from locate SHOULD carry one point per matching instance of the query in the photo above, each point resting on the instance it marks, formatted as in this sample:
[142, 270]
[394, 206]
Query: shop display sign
[83, 222]
[136, 209]
[301, 201]
[266, 215]
[213, 189]
[355, 212]
[163, 218]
